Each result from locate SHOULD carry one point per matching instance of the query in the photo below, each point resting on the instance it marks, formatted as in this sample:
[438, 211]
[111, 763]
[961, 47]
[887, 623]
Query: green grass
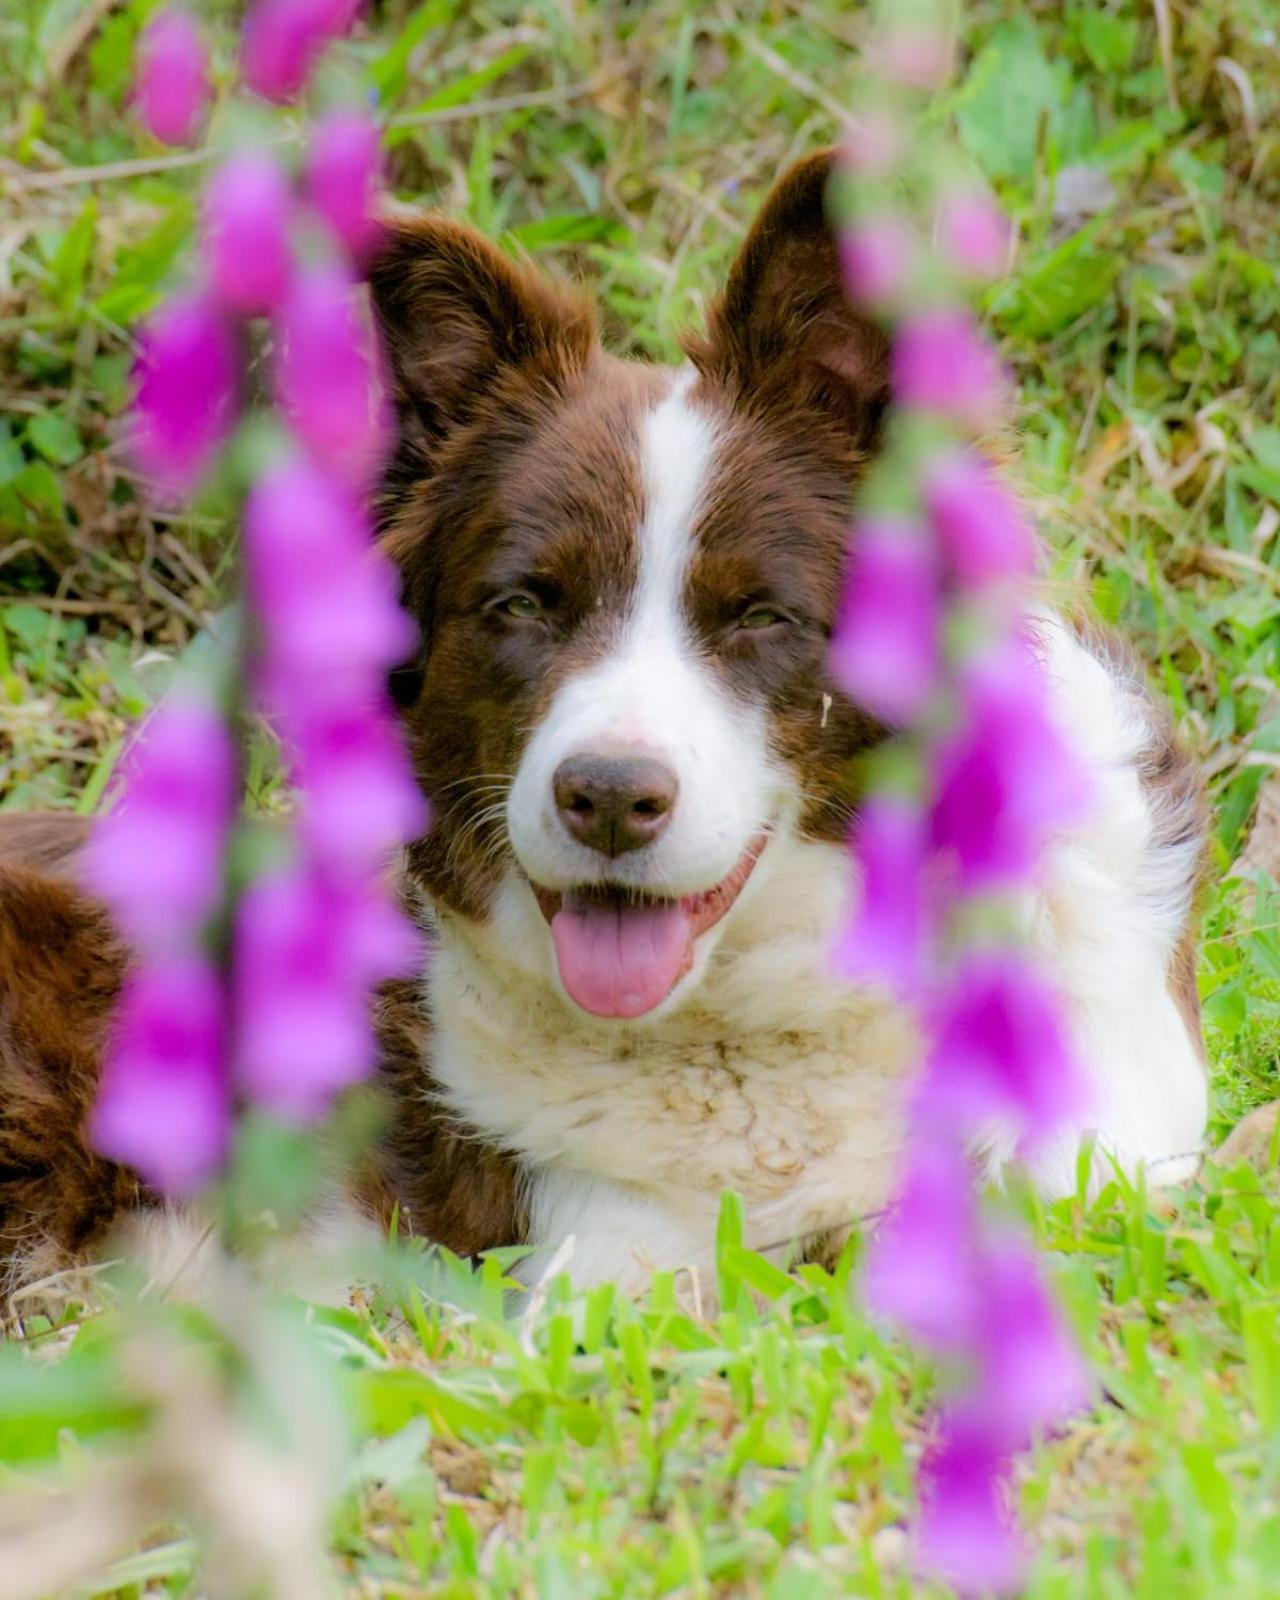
[604, 1449]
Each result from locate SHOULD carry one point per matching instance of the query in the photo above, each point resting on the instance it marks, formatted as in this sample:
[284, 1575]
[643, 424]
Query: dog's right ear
[462, 323]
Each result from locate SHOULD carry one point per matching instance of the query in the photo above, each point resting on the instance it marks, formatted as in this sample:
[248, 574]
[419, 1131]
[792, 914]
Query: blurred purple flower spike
[974, 233]
[1006, 780]
[163, 1106]
[941, 363]
[983, 534]
[1000, 1052]
[360, 800]
[1035, 1376]
[246, 234]
[314, 571]
[343, 173]
[157, 858]
[967, 1533]
[283, 40]
[172, 86]
[885, 651]
[186, 379]
[304, 965]
[920, 1261]
[876, 257]
[886, 939]
[328, 380]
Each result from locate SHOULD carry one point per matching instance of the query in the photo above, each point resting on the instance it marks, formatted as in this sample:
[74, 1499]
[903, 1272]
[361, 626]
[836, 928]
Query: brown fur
[60, 970]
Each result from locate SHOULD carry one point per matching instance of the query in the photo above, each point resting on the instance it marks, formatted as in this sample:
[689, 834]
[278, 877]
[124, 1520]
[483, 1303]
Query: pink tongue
[620, 961]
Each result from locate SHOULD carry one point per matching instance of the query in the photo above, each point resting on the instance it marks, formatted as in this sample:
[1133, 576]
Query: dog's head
[626, 579]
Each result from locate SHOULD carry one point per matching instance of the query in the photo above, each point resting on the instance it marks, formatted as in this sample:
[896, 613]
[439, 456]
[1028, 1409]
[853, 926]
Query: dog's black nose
[614, 803]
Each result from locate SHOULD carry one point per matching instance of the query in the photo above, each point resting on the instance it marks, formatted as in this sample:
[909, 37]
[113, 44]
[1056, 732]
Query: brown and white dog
[642, 780]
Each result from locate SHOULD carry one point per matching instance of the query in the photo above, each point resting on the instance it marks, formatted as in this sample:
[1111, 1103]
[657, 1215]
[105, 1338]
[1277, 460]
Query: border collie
[641, 777]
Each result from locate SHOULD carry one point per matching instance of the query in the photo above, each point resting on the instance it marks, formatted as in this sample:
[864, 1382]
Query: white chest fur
[773, 1078]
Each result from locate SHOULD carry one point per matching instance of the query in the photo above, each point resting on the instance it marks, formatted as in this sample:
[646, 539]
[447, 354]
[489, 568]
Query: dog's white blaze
[652, 692]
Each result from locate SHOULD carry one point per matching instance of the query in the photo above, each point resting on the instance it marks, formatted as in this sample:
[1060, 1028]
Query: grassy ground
[603, 1449]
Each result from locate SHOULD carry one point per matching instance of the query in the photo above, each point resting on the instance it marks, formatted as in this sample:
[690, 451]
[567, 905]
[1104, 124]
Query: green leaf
[1012, 87]
[1264, 443]
[71, 259]
[12, 459]
[38, 487]
[464, 88]
[1108, 41]
[576, 227]
[57, 439]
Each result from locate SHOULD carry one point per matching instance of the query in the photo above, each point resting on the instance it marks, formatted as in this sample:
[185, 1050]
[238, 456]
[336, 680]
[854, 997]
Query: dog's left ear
[784, 330]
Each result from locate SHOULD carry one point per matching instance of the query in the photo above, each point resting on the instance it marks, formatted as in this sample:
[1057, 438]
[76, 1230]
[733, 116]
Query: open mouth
[620, 952]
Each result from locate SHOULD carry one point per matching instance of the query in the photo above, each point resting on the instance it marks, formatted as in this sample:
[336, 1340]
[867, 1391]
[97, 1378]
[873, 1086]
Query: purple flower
[327, 596]
[283, 40]
[327, 378]
[157, 859]
[302, 978]
[1034, 1375]
[885, 939]
[186, 380]
[982, 533]
[163, 1107]
[246, 233]
[974, 233]
[877, 257]
[875, 144]
[360, 800]
[1000, 1051]
[920, 1264]
[919, 57]
[885, 651]
[966, 1532]
[942, 363]
[173, 77]
[343, 172]
[1006, 780]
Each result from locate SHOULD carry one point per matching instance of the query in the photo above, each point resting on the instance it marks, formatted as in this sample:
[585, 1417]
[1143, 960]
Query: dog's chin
[623, 953]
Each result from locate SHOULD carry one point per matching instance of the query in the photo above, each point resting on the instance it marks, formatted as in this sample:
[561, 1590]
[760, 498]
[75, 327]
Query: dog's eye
[756, 618]
[522, 606]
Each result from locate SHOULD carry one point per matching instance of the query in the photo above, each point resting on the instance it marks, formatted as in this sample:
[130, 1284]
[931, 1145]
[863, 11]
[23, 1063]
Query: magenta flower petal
[173, 77]
[966, 1533]
[163, 1106]
[1006, 780]
[875, 144]
[360, 800]
[885, 651]
[313, 572]
[942, 363]
[301, 992]
[1001, 1051]
[885, 939]
[920, 1263]
[917, 56]
[1034, 1374]
[246, 233]
[975, 233]
[283, 40]
[186, 382]
[981, 531]
[327, 377]
[876, 257]
[157, 858]
[343, 173]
